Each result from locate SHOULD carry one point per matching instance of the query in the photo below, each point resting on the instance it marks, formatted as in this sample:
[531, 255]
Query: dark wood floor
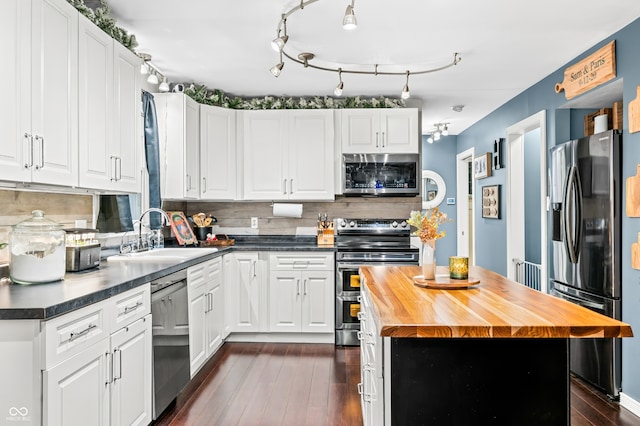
[306, 384]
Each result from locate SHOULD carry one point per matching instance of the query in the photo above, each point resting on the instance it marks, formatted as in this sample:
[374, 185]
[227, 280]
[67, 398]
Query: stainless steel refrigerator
[586, 205]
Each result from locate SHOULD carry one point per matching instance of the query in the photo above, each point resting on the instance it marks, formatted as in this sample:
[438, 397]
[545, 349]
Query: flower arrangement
[427, 224]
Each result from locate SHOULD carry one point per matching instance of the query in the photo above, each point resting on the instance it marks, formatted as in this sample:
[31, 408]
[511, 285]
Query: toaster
[83, 250]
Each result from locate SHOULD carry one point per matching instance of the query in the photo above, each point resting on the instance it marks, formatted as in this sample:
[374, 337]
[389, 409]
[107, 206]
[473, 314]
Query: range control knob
[343, 223]
[394, 224]
[403, 224]
[352, 224]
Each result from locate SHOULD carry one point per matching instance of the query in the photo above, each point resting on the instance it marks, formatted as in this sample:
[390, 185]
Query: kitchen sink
[165, 255]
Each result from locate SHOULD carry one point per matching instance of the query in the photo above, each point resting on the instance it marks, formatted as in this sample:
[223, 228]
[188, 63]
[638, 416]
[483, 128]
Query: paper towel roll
[600, 123]
[287, 210]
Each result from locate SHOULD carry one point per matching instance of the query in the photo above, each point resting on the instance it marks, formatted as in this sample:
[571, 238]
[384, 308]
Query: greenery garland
[102, 18]
[216, 97]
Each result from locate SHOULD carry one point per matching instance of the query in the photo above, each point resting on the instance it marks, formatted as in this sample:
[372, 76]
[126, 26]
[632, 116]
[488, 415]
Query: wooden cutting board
[635, 254]
[633, 195]
[634, 113]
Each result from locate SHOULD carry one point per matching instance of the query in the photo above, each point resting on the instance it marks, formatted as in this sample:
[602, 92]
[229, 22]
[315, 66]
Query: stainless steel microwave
[381, 174]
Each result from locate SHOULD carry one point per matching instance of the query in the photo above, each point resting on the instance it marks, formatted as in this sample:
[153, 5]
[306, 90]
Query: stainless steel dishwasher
[170, 319]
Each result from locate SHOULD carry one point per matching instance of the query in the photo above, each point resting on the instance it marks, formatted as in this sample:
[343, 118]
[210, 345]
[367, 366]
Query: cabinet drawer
[213, 270]
[301, 261]
[71, 333]
[130, 306]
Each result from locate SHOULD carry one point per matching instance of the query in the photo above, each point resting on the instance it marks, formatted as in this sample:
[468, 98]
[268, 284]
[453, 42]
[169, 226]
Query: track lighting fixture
[349, 22]
[440, 129]
[340, 86]
[144, 67]
[405, 90]
[278, 43]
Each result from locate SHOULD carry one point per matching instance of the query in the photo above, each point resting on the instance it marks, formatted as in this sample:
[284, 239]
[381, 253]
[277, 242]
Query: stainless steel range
[362, 242]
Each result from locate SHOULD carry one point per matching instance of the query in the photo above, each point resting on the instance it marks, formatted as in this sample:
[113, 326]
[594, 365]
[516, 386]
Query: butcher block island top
[495, 308]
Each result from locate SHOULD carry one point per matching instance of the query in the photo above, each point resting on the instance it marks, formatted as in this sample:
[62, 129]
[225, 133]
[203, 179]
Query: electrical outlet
[254, 222]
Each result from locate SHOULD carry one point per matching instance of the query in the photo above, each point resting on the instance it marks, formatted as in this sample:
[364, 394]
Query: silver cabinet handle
[298, 288]
[254, 268]
[284, 187]
[360, 388]
[41, 163]
[119, 364]
[109, 365]
[304, 286]
[112, 159]
[211, 301]
[73, 335]
[204, 185]
[383, 139]
[129, 309]
[360, 336]
[188, 182]
[290, 186]
[29, 139]
[119, 168]
[377, 145]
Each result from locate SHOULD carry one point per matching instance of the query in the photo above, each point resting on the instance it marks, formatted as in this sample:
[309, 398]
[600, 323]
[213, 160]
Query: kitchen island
[495, 353]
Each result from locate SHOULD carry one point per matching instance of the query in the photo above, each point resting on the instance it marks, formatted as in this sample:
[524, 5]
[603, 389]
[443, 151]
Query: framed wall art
[491, 202]
[482, 166]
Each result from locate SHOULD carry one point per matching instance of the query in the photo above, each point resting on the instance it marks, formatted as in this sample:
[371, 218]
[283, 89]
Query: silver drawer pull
[128, 309]
[360, 388]
[359, 335]
[74, 335]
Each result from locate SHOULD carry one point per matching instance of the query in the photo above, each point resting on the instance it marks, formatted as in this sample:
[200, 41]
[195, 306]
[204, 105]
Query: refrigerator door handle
[573, 214]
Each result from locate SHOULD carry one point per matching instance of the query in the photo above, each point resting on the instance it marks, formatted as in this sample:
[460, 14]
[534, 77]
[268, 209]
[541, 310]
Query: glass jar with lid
[37, 250]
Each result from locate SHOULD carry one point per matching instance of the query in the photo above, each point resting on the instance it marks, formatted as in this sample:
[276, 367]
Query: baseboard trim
[282, 337]
[630, 404]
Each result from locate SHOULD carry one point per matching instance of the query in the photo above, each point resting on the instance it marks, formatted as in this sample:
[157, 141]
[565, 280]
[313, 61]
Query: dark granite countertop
[45, 301]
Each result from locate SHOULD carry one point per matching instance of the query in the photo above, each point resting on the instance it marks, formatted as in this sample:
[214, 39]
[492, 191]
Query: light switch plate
[451, 201]
[254, 222]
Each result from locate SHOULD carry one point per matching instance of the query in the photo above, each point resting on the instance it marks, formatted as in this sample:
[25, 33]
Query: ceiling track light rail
[349, 23]
[439, 129]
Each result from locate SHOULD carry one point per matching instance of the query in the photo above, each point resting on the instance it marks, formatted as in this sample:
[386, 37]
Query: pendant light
[340, 86]
[405, 90]
[349, 22]
[164, 86]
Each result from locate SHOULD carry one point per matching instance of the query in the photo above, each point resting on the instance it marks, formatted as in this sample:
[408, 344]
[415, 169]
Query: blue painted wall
[440, 156]
[561, 126]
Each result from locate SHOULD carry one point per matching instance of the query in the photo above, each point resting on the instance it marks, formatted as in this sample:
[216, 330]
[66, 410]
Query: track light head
[153, 78]
[340, 86]
[278, 43]
[276, 69]
[445, 131]
[164, 86]
[406, 94]
[436, 135]
[430, 139]
[349, 22]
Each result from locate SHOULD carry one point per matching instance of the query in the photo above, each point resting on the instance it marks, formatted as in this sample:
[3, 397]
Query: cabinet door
[197, 334]
[54, 104]
[15, 102]
[76, 391]
[318, 302]
[246, 294]
[229, 280]
[214, 319]
[97, 167]
[127, 137]
[132, 374]
[217, 153]
[310, 166]
[265, 155]
[360, 131]
[285, 296]
[192, 148]
[399, 130]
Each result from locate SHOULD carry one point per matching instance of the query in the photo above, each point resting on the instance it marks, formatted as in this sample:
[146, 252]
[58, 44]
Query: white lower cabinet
[206, 311]
[371, 386]
[247, 293]
[91, 377]
[301, 293]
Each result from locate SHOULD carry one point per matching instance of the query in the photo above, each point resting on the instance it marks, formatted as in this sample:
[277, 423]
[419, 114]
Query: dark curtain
[114, 214]
[152, 152]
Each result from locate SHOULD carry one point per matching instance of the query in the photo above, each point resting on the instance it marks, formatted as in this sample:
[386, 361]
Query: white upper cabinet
[40, 38]
[288, 155]
[217, 153]
[370, 131]
[109, 116]
[179, 133]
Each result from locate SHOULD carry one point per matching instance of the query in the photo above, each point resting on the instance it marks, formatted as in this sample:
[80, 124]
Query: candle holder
[459, 267]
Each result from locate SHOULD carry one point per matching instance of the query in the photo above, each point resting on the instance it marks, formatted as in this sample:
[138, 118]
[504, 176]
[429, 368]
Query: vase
[429, 259]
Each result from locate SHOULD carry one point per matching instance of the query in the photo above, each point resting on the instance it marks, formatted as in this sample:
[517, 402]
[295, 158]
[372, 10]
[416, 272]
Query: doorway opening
[526, 209]
[465, 217]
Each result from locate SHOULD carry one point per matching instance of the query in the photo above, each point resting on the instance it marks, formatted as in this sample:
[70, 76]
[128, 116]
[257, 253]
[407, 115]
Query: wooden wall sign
[592, 71]
[634, 113]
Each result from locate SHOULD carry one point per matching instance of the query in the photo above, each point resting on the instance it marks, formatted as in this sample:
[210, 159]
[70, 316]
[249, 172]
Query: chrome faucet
[165, 221]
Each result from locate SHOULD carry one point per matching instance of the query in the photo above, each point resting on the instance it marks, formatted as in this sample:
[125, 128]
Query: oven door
[347, 308]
